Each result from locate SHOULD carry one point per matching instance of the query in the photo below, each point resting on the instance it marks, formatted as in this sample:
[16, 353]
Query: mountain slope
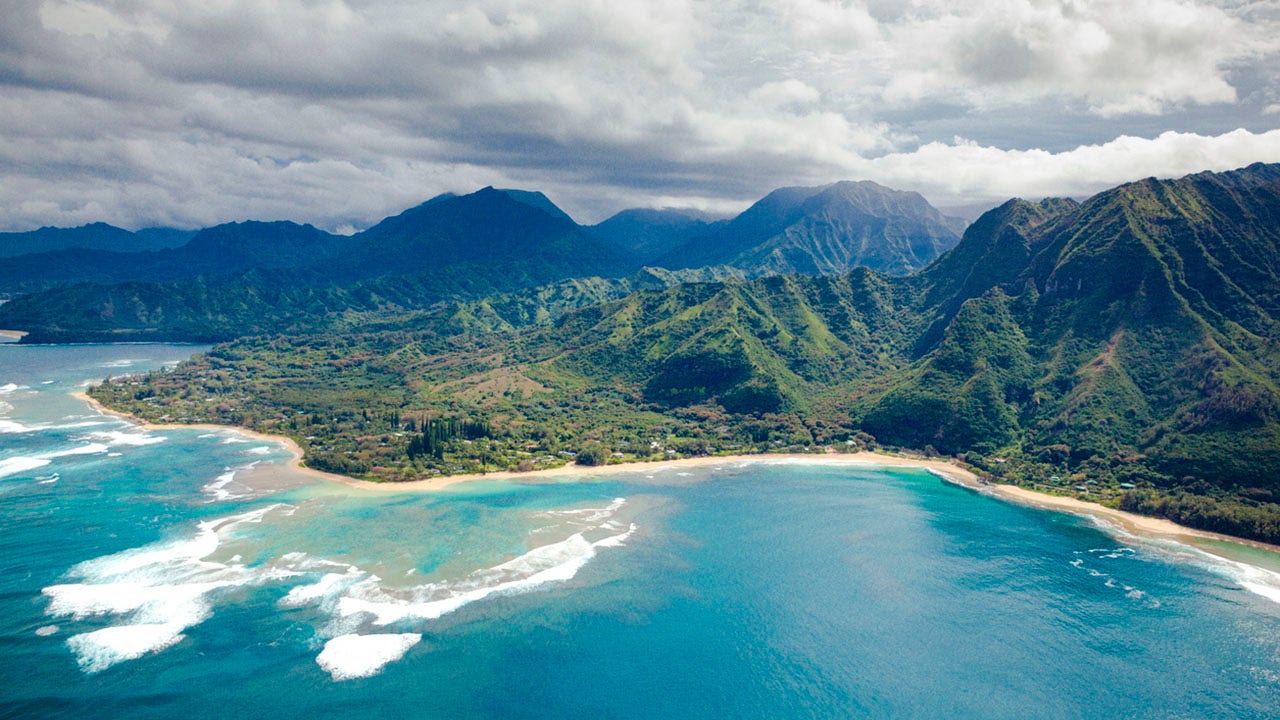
[652, 233]
[264, 277]
[94, 236]
[1131, 338]
[218, 251]
[826, 230]
[488, 227]
[1150, 312]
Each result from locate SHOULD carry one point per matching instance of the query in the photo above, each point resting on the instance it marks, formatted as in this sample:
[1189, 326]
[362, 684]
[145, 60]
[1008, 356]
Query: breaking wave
[355, 656]
[354, 598]
[153, 593]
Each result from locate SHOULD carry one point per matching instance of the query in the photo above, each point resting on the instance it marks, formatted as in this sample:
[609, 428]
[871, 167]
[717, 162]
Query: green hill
[1126, 345]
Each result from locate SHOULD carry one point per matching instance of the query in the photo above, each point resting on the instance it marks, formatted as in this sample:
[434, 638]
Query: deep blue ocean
[183, 573]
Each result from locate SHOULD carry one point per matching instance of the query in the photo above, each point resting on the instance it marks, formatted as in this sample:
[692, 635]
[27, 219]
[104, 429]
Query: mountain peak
[828, 229]
[536, 199]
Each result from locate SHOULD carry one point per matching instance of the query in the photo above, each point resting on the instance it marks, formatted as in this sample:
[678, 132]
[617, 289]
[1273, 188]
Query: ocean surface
[183, 573]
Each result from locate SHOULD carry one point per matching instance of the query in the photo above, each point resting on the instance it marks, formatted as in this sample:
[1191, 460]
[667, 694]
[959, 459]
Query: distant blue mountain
[94, 236]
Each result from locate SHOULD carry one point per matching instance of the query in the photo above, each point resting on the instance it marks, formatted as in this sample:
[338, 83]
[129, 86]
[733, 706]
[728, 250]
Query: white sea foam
[116, 438]
[224, 486]
[347, 657]
[356, 599]
[1259, 581]
[150, 595]
[24, 463]
[261, 450]
[552, 563]
[89, 449]
[155, 592]
[98, 650]
[12, 427]
[616, 540]
[218, 487]
[328, 586]
[80, 424]
[589, 515]
[10, 388]
[47, 630]
[21, 463]
[233, 440]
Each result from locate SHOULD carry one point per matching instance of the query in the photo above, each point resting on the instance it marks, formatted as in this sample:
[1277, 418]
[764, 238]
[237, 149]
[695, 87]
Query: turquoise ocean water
[189, 574]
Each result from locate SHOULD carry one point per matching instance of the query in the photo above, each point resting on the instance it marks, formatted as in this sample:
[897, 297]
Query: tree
[592, 454]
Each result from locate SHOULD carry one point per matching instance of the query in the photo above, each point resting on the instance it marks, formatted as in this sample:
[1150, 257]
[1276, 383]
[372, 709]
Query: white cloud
[332, 112]
[964, 171]
[1115, 56]
[785, 93]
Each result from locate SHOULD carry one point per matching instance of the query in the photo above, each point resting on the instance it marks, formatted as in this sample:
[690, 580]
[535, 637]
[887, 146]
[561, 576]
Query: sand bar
[949, 470]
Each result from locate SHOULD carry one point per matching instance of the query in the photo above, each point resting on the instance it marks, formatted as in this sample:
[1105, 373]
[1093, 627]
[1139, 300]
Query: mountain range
[1129, 339]
[250, 277]
[94, 236]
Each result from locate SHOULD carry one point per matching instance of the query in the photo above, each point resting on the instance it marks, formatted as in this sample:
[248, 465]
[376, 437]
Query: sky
[340, 112]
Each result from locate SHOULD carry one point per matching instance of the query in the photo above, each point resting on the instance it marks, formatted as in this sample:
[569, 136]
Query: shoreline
[582, 472]
[294, 463]
[14, 335]
[1143, 525]
[947, 470]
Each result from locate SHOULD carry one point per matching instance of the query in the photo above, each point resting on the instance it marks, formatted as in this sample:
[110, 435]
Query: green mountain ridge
[826, 230]
[216, 252]
[653, 233]
[94, 236]
[1129, 340]
[252, 278]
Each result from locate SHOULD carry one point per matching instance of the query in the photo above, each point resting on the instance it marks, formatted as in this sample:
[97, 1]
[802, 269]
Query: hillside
[249, 278]
[652, 233]
[826, 230]
[1129, 340]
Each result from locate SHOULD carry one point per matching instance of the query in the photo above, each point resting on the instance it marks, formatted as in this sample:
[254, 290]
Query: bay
[189, 573]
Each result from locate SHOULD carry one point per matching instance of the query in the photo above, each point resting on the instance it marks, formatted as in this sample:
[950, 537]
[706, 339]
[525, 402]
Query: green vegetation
[1125, 349]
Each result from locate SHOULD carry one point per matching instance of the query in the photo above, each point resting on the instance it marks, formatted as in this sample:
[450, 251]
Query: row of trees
[437, 433]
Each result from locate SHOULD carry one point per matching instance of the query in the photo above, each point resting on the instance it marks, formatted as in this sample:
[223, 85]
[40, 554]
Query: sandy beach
[1130, 522]
[13, 335]
[949, 470]
[295, 462]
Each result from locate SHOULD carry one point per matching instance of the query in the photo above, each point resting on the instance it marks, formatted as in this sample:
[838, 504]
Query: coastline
[295, 462]
[1144, 525]
[946, 469]
[582, 472]
[13, 335]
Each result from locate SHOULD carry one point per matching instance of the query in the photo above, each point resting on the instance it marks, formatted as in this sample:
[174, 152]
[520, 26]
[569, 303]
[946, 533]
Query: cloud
[338, 112]
[1117, 57]
[965, 172]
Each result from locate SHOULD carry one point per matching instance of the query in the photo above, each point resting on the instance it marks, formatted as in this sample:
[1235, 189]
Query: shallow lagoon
[189, 573]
